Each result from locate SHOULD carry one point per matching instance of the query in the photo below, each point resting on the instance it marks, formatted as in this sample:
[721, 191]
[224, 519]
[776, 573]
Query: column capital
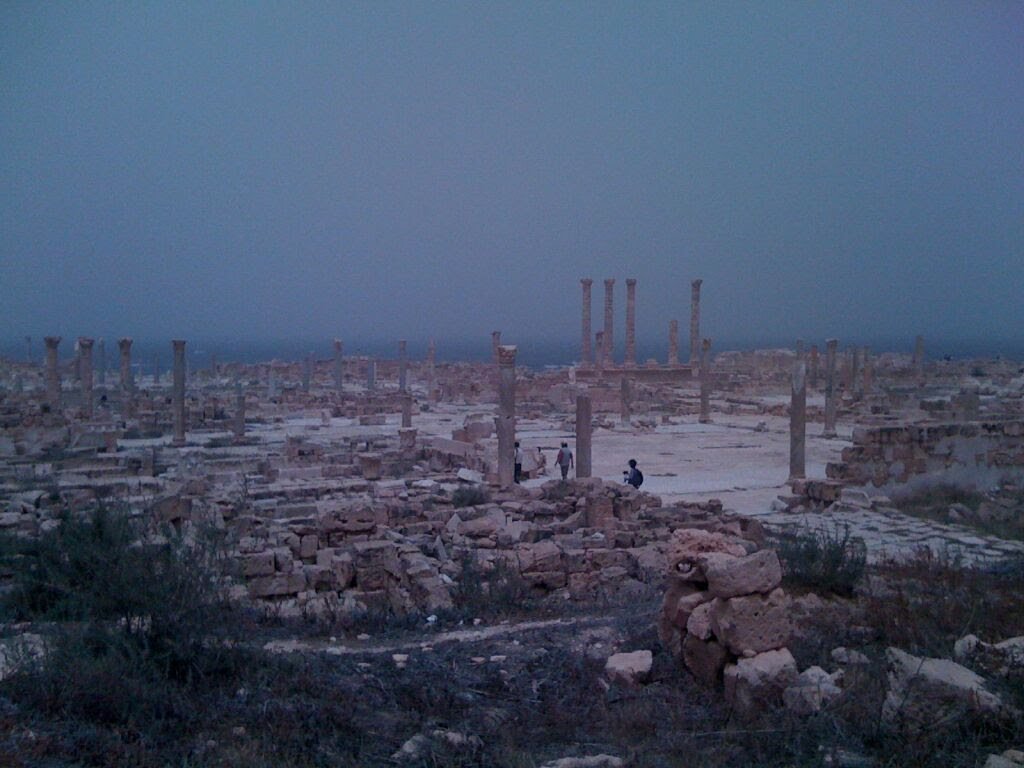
[507, 355]
[124, 343]
[85, 342]
[609, 282]
[178, 344]
[52, 341]
[630, 282]
[587, 281]
[696, 284]
[337, 345]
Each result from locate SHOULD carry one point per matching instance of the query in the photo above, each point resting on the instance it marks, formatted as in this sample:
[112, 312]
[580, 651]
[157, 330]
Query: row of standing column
[602, 353]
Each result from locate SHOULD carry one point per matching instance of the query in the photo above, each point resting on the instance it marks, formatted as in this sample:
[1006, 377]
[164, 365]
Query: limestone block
[277, 585]
[376, 564]
[813, 689]
[481, 527]
[754, 683]
[541, 556]
[752, 623]
[629, 669]
[699, 622]
[732, 576]
[590, 761]
[370, 465]
[924, 693]
[1003, 659]
[283, 559]
[259, 564]
[688, 544]
[704, 658]
[307, 546]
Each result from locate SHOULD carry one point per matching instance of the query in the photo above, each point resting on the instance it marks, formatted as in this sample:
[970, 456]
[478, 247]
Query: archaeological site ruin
[350, 494]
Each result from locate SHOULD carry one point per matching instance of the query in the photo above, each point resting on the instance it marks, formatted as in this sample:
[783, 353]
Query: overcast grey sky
[414, 169]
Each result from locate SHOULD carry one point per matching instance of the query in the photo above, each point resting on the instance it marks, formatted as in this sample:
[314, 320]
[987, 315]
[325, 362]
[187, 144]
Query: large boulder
[752, 623]
[733, 576]
[925, 693]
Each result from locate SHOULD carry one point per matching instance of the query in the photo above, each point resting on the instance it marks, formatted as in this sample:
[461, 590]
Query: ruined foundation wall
[907, 457]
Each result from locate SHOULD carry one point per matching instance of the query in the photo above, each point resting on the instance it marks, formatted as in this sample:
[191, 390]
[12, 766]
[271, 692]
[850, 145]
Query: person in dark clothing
[519, 463]
[633, 476]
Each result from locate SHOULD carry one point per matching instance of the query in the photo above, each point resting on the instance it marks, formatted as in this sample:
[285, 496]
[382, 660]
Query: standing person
[633, 476]
[564, 460]
[519, 463]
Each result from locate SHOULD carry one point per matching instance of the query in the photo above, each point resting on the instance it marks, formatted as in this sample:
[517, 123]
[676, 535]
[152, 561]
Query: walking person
[519, 463]
[564, 460]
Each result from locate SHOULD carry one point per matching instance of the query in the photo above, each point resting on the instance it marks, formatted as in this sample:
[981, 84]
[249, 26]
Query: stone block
[753, 623]
[258, 564]
[753, 684]
[734, 576]
[629, 669]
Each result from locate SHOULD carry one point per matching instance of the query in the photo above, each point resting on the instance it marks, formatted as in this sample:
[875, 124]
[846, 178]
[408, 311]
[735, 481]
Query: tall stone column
[85, 372]
[869, 371]
[830, 388]
[307, 372]
[705, 382]
[624, 401]
[124, 345]
[600, 349]
[238, 425]
[371, 375]
[800, 349]
[609, 322]
[178, 391]
[52, 373]
[403, 366]
[812, 370]
[798, 422]
[586, 358]
[495, 343]
[506, 419]
[101, 362]
[339, 373]
[271, 385]
[673, 342]
[630, 361]
[406, 410]
[156, 370]
[919, 356]
[855, 380]
[584, 426]
[431, 371]
[695, 321]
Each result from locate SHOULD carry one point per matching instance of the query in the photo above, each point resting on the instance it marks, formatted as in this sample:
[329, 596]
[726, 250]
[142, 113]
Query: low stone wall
[895, 458]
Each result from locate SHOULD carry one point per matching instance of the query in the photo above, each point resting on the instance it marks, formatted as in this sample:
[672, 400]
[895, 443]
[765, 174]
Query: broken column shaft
[506, 419]
[586, 358]
[178, 392]
[583, 435]
[630, 322]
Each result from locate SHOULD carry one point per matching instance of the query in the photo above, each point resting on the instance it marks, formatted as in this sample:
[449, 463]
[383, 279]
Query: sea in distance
[535, 354]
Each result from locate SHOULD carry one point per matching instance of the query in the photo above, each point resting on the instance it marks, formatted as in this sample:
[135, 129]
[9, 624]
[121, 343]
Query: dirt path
[468, 635]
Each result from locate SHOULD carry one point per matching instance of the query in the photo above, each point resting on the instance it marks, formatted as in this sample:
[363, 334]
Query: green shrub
[823, 560]
[138, 609]
[470, 496]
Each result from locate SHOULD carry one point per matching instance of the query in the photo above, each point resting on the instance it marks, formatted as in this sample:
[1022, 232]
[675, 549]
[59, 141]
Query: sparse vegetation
[824, 560]
[1000, 513]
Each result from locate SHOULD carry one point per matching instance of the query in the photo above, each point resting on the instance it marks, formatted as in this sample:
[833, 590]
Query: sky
[380, 170]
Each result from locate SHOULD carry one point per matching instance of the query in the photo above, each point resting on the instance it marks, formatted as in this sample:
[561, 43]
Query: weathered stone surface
[591, 761]
[704, 658]
[733, 576]
[813, 689]
[754, 623]
[757, 682]
[629, 669]
[542, 556]
[924, 693]
[699, 622]
[1003, 659]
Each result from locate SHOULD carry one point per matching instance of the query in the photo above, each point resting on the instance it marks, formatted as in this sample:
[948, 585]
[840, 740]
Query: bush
[824, 560]
[143, 616]
[470, 496]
